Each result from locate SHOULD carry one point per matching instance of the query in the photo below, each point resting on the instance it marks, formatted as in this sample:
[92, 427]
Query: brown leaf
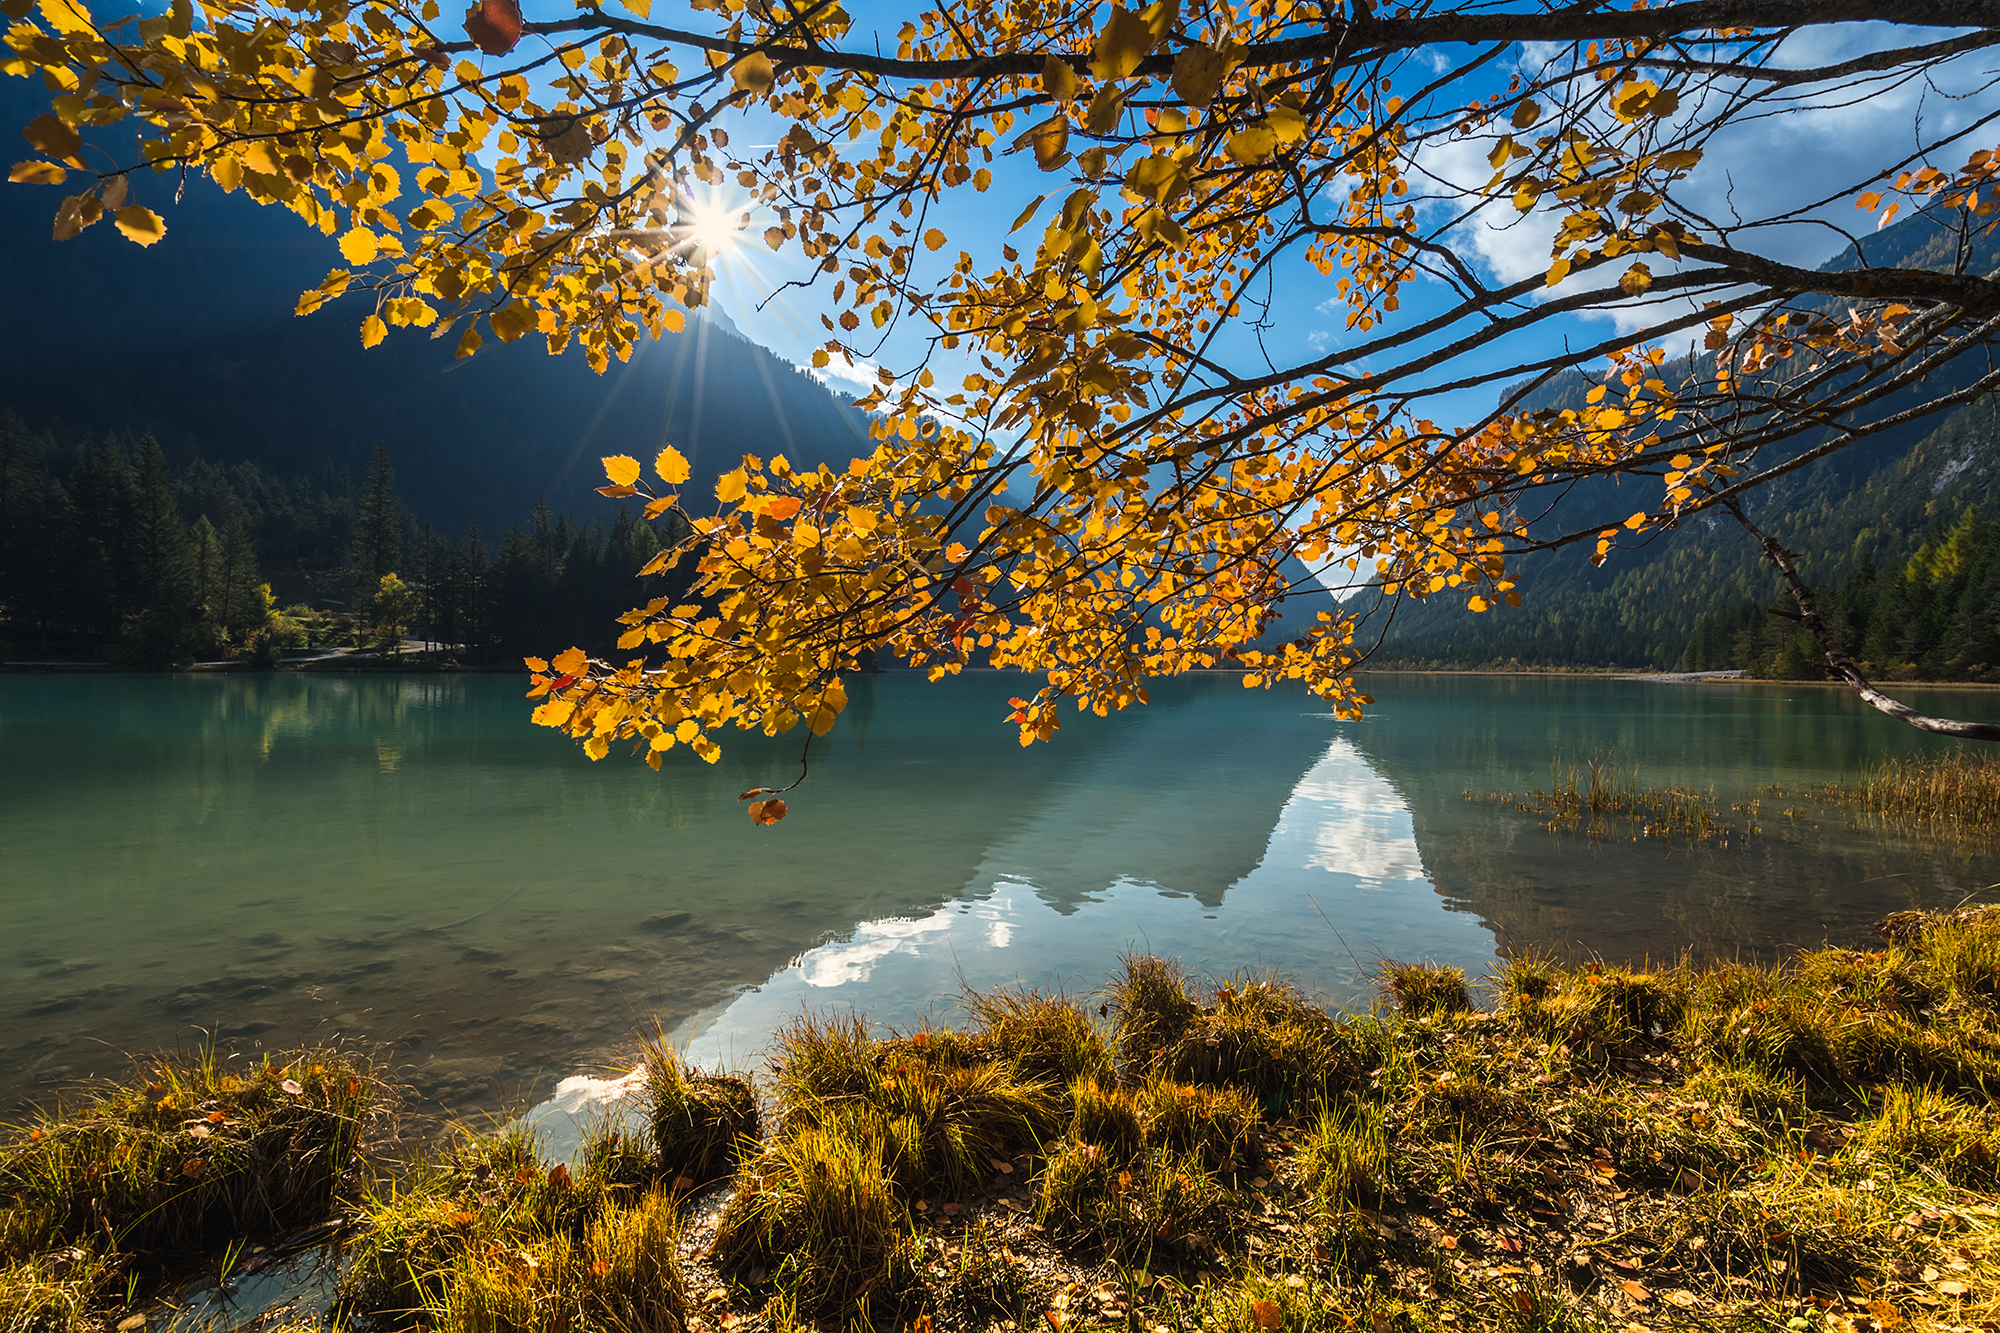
[1267, 1314]
[767, 812]
[1636, 1290]
[1887, 1315]
[494, 26]
[48, 133]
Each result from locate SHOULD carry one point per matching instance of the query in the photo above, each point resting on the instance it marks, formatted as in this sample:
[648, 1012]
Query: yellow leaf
[731, 486]
[864, 520]
[571, 662]
[1288, 124]
[1525, 115]
[68, 17]
[642, 8]
[1252, 143]
[1636, 522]
[934, 239]
[37, 173]
[1526, 193]
[1478, 603]
[469, 344]
[597, 747]
[358, 246]
[1558, 271]
[687, 730]
[1058, 78]
[1636, 280]
[226, 172]
[373, 330]
[1198, 74]
[622, 469]
[671, 466]
[553, 713]
[753, 73]
[139, 224]
[1101, 117]
[1122, 44]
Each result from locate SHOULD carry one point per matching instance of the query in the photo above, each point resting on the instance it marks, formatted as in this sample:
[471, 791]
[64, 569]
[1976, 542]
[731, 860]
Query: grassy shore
[1809, 1148]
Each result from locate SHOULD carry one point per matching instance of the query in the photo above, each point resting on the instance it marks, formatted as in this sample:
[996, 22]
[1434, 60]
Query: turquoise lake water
[404, 860]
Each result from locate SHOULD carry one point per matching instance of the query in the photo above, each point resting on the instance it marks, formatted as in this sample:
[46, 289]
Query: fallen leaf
[1636, 1290]
[293, 1086]
[1267, 1314]
[1953, 1288]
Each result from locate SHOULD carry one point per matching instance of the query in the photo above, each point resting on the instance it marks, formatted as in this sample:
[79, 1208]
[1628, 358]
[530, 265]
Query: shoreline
[1595, 1146]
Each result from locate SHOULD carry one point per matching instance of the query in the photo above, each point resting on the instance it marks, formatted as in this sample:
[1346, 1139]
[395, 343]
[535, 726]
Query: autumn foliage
[1092, 465]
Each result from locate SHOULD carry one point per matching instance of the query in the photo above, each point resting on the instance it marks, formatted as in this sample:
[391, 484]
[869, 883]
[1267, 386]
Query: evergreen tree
[378, 529]
[167, 630]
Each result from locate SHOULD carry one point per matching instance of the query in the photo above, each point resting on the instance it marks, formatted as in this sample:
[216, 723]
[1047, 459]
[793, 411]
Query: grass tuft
[701, 1123]
[1426, 990]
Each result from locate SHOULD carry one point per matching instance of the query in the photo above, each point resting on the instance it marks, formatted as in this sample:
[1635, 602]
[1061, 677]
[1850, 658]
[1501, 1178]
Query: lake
[404, 860]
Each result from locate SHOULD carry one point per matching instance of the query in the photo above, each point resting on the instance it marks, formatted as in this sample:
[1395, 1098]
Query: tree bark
[1836, 656]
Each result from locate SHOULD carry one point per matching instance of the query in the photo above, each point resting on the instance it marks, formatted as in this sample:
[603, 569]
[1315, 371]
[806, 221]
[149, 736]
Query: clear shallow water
[404, 859]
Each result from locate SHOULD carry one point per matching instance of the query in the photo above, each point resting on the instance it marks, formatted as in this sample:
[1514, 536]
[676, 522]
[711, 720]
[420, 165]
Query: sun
[708, 225]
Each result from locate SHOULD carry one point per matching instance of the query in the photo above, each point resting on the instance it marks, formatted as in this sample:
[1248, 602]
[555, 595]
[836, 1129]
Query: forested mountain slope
[1876, 501]
[194, 340]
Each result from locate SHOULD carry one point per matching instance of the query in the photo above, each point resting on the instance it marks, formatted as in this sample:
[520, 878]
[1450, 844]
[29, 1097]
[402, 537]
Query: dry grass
[119, 1188]
[702, 1124]
[1810, 1148]
[484, 1237]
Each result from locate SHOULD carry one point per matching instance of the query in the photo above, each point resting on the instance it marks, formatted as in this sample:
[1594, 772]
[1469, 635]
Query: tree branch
[1977, 295]
[1836, 656]
[1354, 42]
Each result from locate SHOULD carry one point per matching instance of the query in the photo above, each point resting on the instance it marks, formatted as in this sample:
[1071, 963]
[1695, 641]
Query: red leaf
[494, 26]
[562, 682]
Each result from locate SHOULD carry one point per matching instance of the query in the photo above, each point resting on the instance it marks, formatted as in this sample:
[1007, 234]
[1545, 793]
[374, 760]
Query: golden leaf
[139, 225]
[622, 469]
[358, 247]
[1123, 43]
[37, 173]
[753, 73]
[1198, 74]
[672, 467]
[1059, 78]
[373, 330]
[1252, 143]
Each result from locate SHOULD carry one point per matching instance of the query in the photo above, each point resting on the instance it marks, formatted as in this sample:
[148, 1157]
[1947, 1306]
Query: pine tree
[167, 631]
[378, 529]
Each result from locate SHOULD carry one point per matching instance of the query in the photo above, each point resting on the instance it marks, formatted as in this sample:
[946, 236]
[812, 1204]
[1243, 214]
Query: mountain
[194, 339]
[1873, 501]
